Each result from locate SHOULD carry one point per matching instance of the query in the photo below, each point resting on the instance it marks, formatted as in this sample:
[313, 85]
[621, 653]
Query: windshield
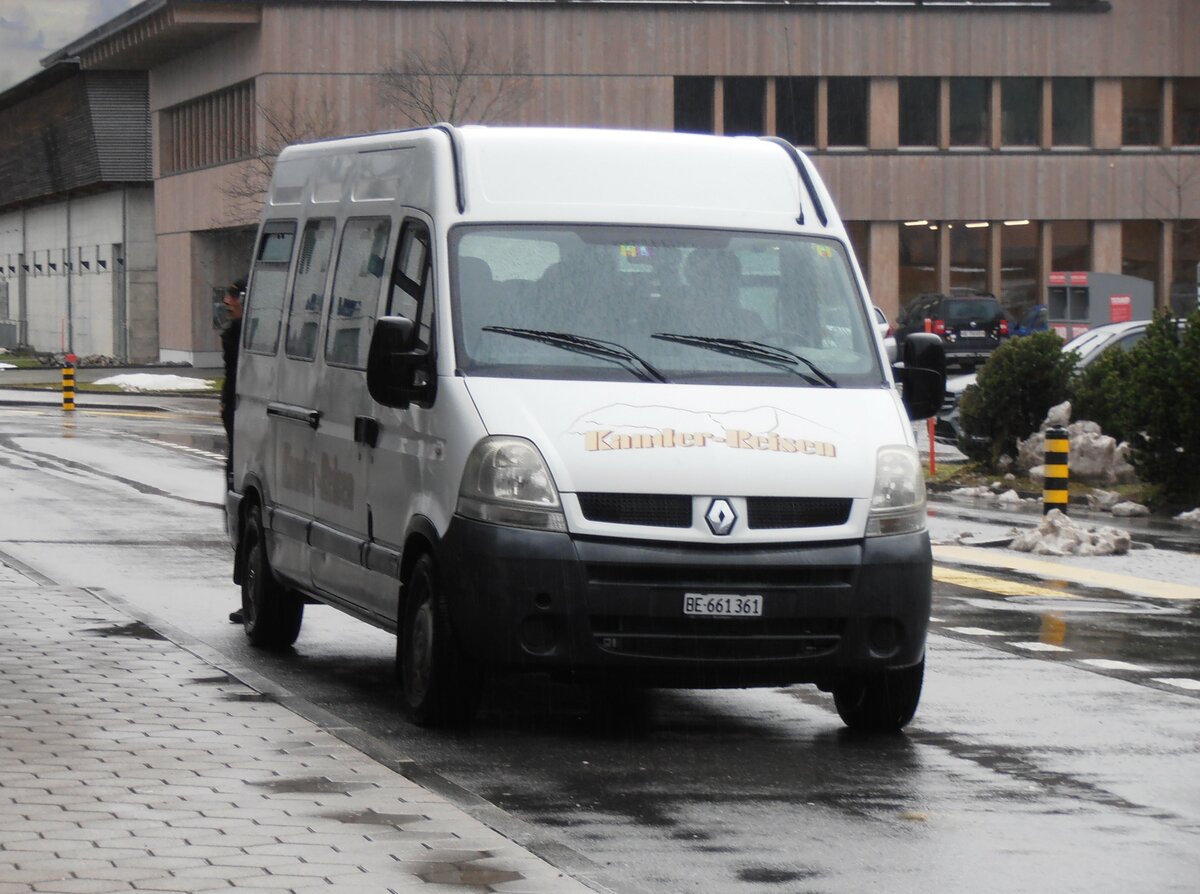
[658, 304]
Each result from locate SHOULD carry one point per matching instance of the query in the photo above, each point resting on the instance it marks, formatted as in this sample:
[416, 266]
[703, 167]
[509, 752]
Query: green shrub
[1163, 406]
[1014, 390]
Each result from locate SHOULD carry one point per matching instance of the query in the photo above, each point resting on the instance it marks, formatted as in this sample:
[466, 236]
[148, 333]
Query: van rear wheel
[880, 702]
[438, 685]
[271, 614]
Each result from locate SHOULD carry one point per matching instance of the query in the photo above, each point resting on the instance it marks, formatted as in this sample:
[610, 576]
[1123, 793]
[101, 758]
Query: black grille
[797, 512]
[717, 639]
[656, 510]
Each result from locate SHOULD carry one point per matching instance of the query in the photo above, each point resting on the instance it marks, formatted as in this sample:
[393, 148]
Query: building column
[770, 124]
[995, 281]
[883, 242]
[1106, 246]
[883, 111]
[995, 128]
[944, 113]
[822, 113]
[1168, 112]
[718, 105]
[1045, 256]
[1106, 113]
[1046, 130]
[943, 258]
[1166, 265]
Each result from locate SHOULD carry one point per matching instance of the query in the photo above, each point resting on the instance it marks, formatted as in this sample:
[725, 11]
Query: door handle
[366, 430]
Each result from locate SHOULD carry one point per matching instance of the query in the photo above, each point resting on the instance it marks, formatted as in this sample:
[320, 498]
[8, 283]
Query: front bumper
[587, 607]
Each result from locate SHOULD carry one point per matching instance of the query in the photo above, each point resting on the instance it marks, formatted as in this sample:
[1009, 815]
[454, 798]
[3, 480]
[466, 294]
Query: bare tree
[246, 187]
[459, 82]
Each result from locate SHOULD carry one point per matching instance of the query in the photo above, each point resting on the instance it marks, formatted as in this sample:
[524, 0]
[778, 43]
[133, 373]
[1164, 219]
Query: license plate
[972, 333]
[722, 605]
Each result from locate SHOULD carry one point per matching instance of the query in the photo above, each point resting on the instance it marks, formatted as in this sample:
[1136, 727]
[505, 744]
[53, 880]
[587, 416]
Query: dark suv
[970, 323]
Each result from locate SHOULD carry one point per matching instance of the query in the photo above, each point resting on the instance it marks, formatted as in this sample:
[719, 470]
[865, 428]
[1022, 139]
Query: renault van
[605, 405]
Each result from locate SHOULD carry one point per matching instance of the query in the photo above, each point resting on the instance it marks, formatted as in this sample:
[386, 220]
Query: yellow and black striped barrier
[68, 387]
[1058, 472]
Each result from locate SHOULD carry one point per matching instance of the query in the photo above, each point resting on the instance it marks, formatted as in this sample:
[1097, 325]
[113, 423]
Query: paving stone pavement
[128, 763]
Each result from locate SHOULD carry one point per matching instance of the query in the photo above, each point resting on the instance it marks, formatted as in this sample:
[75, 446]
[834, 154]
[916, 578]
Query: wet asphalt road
[1025, 769]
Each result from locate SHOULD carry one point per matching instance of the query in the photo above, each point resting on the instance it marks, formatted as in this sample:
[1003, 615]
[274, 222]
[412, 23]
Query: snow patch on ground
[155, 382]
[1059, 535]
[7, 366]
[1191, 517]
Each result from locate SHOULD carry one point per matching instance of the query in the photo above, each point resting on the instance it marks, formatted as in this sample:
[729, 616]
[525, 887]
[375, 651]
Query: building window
[744, 105]
[796, 110]
[969, 256]
[1020, 111]
[1140, 249]
[1141, 111]
[847, 111]
[694, 104]
[970, 111]
[918, 261]
[1071, 100]
[1018, 267]
[919, 111]
[214, 129]
[1071, 245]
[1185, 291]
[1187, 112]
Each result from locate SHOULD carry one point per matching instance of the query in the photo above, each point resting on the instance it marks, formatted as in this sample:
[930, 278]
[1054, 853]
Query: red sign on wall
[1120, 308]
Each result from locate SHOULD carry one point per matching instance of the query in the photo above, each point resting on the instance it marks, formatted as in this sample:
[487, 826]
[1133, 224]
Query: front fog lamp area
[898, 503]
[506, 482]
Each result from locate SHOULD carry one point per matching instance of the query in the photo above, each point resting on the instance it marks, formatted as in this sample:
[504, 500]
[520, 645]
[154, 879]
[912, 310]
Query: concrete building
[977, 144]
[77, 237]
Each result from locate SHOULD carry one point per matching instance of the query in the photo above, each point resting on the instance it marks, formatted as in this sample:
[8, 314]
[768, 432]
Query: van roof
[549, 173]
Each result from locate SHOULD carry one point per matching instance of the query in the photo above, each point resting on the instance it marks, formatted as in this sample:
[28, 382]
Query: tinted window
[357, 285]
[966, 310]
[308, 289]
[268, 285]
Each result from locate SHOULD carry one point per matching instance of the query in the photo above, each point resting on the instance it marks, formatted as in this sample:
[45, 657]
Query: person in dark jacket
[231, 337]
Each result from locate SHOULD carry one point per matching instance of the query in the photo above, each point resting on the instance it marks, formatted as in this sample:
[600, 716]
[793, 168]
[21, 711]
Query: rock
[1009, 497]
[1129, 509]
[1191, 518]
[1009, 476]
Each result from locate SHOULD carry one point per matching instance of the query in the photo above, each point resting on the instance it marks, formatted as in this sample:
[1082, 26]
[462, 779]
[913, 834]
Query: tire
[882, 702]
[271, 614]
[438, 686]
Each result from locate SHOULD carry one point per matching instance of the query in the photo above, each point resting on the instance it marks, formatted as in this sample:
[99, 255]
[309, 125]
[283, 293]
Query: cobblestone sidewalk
[127, 763]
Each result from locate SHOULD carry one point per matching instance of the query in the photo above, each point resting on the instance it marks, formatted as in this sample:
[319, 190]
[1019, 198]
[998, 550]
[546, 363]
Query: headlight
[898, 503]
[506, 482]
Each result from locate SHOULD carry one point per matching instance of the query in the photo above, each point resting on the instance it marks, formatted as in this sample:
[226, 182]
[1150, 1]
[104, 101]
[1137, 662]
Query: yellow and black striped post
[68, 387]
[1058, 471]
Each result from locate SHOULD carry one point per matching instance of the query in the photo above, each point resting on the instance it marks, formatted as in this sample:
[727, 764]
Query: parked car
[886, 333]
[970, 323]
[1089, 345]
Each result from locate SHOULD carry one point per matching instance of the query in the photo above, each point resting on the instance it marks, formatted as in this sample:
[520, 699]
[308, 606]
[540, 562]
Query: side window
[357, 284]
[308, 289]
[268, 285]
[411, 282]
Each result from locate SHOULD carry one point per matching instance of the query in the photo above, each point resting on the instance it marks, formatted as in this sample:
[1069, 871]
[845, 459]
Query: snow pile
[1058, 535]
[1095, 457]
[8, 366]
[992, 494]
[1190, 518]
[155, 382]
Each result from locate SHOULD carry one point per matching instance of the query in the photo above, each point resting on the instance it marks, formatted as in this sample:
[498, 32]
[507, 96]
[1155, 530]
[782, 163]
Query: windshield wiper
[594, 347]
[780, 358]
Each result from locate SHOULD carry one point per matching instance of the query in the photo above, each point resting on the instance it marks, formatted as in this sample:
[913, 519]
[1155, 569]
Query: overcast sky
[33, 29]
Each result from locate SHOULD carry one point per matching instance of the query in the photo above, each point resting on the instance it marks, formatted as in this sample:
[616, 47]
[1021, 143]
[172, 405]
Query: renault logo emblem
[720, 517]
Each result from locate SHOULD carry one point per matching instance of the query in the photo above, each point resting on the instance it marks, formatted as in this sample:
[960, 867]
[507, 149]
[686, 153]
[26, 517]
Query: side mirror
[397, 375]
[923, 374]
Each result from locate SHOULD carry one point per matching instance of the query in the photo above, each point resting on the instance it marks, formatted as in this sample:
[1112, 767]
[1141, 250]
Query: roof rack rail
[794, 155]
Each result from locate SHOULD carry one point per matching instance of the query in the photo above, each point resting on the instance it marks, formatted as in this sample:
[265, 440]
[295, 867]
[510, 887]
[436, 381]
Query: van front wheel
[438, 685]
[881, 702]
[271, 614]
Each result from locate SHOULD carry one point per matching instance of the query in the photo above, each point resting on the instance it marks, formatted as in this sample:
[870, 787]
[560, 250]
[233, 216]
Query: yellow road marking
[995, 585]
[1054, 571]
